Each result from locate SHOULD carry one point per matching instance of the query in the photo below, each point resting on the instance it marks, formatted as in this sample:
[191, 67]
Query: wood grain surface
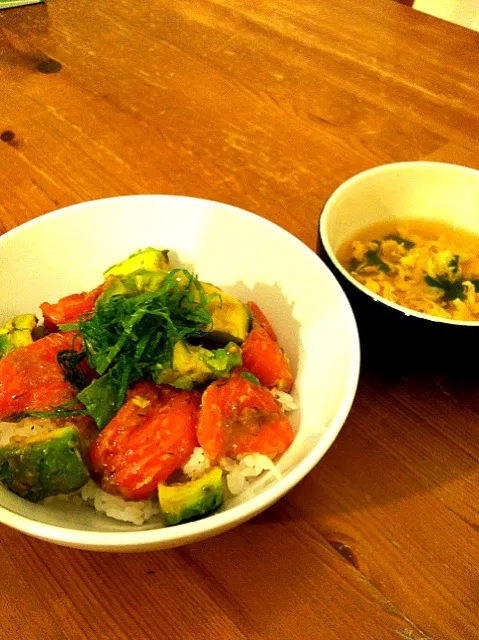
[269, 106]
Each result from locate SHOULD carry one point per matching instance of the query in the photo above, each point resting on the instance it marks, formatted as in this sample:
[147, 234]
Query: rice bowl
[307, 326]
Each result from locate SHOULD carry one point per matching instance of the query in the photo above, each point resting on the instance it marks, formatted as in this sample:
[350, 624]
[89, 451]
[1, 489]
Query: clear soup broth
[430, 267]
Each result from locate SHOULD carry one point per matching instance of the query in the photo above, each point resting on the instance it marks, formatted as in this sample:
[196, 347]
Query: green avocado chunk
[195, 365]
[193, 499]
[230, 318]
[17, 333]
[141, 281]
[45, 465]
[148, 259]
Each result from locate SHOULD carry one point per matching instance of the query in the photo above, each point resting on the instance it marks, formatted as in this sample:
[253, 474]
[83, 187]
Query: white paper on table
[462, 12]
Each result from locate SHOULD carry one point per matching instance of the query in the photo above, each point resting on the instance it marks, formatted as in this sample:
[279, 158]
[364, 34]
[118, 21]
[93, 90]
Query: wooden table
[267, 105]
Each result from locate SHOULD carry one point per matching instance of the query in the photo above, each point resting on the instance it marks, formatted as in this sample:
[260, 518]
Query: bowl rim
[351, 182]
[183, 533]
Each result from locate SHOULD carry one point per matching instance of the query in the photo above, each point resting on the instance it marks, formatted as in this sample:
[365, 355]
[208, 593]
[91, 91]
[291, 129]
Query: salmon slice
[31, 378]
[69, 309]
[238, 416]
[262, 354]
[151, 436]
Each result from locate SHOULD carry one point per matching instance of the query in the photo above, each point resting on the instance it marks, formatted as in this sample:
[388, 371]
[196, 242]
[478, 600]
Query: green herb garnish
[69, 361]
[407, 244]
[374, 260]
[129, 334]
[68, 327]
[247, 375]
[452, 290]
[354, 264]
[454, 264]
[66, 410]
[100, 399]
[475, 284]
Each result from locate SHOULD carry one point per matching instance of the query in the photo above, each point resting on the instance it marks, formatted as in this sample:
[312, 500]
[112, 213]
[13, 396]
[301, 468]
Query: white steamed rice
[137, 512]
[286, 400]
[197, 465]
[239, 472]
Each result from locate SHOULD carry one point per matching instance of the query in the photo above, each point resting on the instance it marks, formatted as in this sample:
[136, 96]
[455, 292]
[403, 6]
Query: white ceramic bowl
[432, 191]
[67, 251]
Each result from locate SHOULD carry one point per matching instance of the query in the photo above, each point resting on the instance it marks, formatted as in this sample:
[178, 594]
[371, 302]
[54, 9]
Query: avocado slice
[193, 499]
[230, 318]
[17, 333]
[146, 259]
[140, 281]
[45, 465]
[195, 365]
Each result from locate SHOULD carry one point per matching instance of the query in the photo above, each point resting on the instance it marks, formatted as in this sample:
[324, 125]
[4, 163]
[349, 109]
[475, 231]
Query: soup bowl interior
[68, 250]
[406, 191]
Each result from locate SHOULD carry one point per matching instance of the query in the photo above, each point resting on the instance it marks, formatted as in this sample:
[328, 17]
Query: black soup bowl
[394, 337]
